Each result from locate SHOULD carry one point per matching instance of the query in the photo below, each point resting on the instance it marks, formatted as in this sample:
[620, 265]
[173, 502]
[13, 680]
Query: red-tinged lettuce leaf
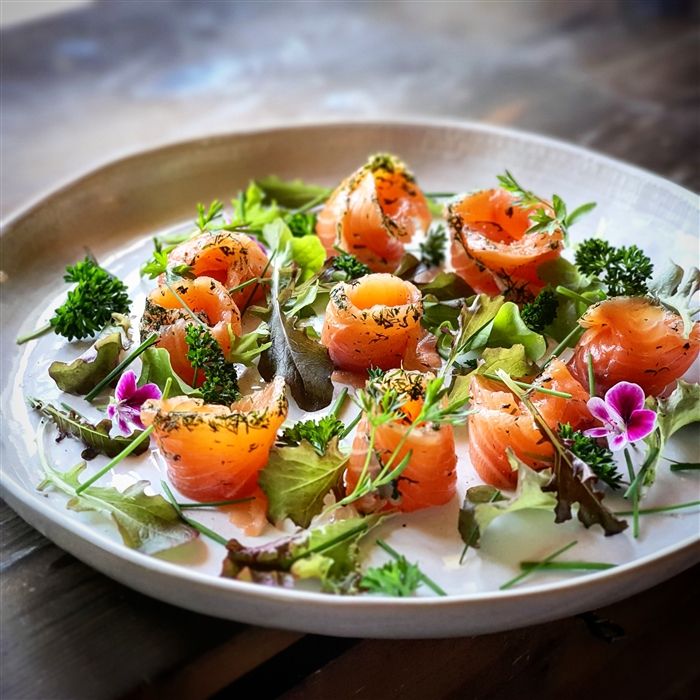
[574, 482]
[147, 523]
[296, 480]
[96, 437]
[85, 372]
[329, 553]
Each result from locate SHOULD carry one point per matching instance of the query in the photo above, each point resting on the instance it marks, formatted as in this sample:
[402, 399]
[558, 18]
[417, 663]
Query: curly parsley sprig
[221, 379]
[89, 306]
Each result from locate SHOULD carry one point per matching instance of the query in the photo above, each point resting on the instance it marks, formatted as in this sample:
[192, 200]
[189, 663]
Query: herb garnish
[220, 384]
[432, 249]
[89, 306]
[350, 265]
[599, 458]
[542, 311]
[624, 270]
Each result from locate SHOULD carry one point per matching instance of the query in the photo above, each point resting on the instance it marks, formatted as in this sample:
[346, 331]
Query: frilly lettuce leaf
[245, 348]
[85, 372]
[147, 523]
[306, 251]
[675, 289]
[296, 480]
[483, 504]
[681, 408]
[329, 553]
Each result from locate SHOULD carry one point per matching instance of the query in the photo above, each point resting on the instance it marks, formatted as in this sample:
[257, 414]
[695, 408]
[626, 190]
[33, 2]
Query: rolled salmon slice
[373, 213]
[229, 258]
[165, 314]
[636, 340]
[491, 249]
[500, 421]
[373, 321]
[430, 477]
[215, 452]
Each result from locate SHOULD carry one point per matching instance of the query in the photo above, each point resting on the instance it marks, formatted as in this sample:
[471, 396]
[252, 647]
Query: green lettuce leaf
[508, 329]
[96, 437]
[85, 372]
[250, 209]
[291, 194]
[244, 349]
[296, 480]
[306, 251]
[146, 523]
[445, 286]
[156, 369]
[329, 553]
[483, 504]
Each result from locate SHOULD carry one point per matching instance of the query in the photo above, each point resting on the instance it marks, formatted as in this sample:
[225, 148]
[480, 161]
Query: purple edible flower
[623, 415]
[128, 399]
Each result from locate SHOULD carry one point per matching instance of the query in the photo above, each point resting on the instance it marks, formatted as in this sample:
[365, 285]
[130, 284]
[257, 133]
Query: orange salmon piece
[373, 213]
[165, 315]
[430, 477]
[636, 340]
[373, 321]
[490, 248]
[499, 421]
[215, 452]
[229, 258]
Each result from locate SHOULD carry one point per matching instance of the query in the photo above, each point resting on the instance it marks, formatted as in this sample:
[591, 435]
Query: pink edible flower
[623, 415]
[128, 399]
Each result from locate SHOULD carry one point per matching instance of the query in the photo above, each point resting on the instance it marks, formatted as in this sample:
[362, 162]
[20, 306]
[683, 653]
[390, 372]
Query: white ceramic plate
[115, 210]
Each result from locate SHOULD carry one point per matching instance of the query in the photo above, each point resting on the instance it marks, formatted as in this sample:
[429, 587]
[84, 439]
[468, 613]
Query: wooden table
[85, 86]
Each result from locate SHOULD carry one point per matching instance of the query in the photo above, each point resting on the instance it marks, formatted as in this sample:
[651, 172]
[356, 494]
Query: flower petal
[123, 426]
[625, 397]
[640, 424]
[617, 442]
[600, 410]
[143, 393]
[126, 386]
[112, 410]
[597, 432]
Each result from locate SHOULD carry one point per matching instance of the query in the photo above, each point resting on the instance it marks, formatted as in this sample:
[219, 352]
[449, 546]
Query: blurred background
[84, 81]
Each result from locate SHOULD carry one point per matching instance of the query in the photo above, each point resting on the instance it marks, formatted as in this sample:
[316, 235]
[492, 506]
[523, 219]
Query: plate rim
[154, 565]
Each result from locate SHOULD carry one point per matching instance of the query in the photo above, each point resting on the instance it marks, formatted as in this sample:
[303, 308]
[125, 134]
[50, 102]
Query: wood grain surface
[83, 87]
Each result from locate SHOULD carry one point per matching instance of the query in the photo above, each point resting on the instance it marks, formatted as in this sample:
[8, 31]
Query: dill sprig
[597, 457]
[221, 379]
[206, 216]
[89, 306]
[546, 216]
[624, 270]
[542, 311]
[432, 249]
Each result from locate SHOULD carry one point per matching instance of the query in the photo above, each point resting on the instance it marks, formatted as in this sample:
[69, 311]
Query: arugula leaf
[95, 437]
[329, 553]
[446, 286]
[245, 348]
[297, 478]
[291, 194]
[303, 362]
[675, 289]
[681, 408]
[85, 372]
[156, 369]
[146, 523]
[508, 329]
[482, 505]
[397, 578]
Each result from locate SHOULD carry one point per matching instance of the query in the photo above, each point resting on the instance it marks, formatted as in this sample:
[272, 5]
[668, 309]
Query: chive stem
[151, 340]
[538, 565]
[591, 375]
[216, 504]
[115, 460]
[423, 577]
[659, 509]
[565, 292]
[682, 466]
[566, 565]
[202, 529]
[531, 387]
[633, 490]
[351, 426]
[339, 402]
[34, 334]
[184, 305]
[573, 335]
[435, 195]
